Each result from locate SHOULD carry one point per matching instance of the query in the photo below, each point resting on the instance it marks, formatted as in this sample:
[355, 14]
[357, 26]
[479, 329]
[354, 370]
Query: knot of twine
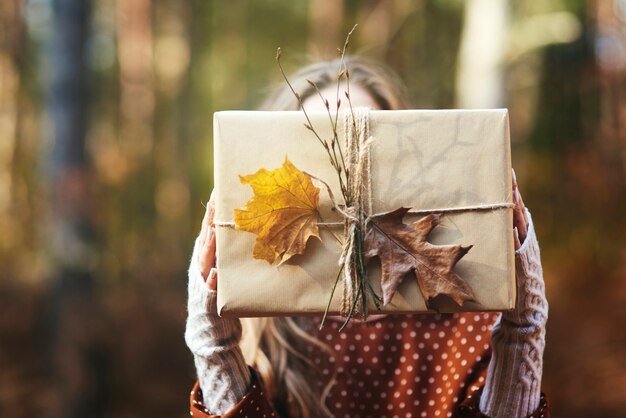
[357, 143]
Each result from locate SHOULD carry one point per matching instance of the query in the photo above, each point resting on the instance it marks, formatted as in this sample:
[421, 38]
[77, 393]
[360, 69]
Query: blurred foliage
[158, 71]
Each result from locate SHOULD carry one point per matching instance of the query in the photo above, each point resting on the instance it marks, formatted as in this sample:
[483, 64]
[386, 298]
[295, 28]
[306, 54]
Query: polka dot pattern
[420, 365]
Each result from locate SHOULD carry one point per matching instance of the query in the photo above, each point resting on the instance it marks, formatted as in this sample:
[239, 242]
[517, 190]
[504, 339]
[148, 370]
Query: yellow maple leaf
[282, 213]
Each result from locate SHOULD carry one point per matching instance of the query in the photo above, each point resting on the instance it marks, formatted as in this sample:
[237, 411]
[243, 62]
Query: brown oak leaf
[283, 212]
[403, 249]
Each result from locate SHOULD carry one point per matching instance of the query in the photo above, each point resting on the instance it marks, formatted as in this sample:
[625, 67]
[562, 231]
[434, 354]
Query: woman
[420, 365]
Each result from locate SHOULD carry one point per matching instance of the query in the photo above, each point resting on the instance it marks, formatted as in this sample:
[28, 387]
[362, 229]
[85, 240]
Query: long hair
[276, 347]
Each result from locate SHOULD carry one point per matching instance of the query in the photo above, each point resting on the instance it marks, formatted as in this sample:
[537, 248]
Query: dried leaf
[403, 249]
[283, 212]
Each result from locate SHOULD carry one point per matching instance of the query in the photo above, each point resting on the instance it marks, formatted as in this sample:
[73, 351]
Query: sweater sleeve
[255, 403]
[214, 342]
[513, 384]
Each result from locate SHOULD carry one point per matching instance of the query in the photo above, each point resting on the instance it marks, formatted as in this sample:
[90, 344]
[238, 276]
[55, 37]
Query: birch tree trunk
[480, 68]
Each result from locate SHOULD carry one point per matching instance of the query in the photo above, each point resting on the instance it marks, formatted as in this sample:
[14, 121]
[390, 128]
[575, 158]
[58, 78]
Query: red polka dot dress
[420, 365]
[404, 366]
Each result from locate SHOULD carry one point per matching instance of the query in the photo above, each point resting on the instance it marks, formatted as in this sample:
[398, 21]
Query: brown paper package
[422, 159]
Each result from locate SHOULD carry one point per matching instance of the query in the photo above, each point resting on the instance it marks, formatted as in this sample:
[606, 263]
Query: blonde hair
[275, 346]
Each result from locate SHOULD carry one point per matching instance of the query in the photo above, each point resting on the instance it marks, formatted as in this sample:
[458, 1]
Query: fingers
[520, 222]
[212, 279]
[207, 245]
[518, 243]
[207, 254]
[211, 206]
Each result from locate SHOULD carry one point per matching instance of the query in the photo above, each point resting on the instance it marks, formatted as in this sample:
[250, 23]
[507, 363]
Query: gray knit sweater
[512, 388]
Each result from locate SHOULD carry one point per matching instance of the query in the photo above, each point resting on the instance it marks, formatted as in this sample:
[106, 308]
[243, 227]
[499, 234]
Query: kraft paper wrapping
[422, 159]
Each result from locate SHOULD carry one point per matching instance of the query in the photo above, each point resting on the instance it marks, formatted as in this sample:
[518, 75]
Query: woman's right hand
[206, 253]
[213, 340]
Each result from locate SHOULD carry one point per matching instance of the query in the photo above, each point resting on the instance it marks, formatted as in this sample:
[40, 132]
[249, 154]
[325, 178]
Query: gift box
[453, 162]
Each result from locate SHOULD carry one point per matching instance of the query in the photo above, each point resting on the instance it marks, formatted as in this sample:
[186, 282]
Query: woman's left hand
[520, 221]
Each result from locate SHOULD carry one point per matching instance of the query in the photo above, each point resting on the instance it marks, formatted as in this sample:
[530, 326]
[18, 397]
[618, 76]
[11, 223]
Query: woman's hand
[520, 222]
[513, 383]
[206, 255]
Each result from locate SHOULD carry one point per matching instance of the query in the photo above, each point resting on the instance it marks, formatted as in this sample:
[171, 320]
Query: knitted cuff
[513, 385]
[214, 342]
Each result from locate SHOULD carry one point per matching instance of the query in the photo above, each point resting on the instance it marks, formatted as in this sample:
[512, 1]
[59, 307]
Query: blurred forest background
[106, 158]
